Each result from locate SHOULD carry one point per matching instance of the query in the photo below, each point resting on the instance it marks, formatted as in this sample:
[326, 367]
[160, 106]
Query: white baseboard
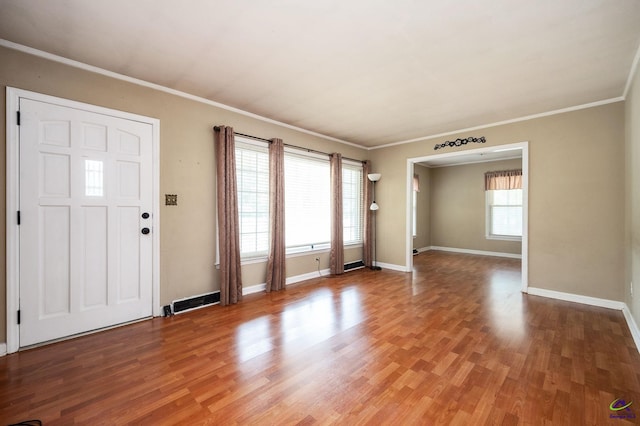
[423, 249]
[254, 289]
[478, 252]
[259, 288]
[593, 301]
[576, 298]
[400, 268]
[308, 276]
[3, 349]
[633, 326]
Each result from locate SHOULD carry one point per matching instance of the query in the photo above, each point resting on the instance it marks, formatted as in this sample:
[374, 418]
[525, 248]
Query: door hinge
[18, 316]
[18, 117]
[18, 217]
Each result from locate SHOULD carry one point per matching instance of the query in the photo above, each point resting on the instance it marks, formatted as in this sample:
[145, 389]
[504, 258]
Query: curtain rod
[217, 128]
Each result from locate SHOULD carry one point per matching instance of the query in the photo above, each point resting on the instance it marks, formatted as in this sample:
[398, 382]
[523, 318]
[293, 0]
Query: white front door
[85, 201]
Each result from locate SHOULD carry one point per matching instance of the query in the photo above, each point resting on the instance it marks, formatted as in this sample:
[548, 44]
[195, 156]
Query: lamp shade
[374, 206]
[374, 177]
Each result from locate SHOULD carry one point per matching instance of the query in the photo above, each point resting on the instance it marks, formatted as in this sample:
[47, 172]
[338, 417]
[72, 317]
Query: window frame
[489, 204]
[354, 166]
[320, 246]
[262, 148]
[294, 251]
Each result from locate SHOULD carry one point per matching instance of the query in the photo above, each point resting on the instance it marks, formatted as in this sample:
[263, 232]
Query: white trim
[632, 72]
[122, 77]
[258, 288]
[409, 215]
[12, 199]
[155, 219]
[502, 123]
[423, 249]
[524, 146]
[576, 298]
[391, 266]
[12, 203]
[593, 301]
[462, 163]
[633, 326]
[477, 252]
[3, 349]
[308, 276]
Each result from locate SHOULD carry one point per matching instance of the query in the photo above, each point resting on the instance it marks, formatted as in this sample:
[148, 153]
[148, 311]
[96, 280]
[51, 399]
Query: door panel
[85, 179]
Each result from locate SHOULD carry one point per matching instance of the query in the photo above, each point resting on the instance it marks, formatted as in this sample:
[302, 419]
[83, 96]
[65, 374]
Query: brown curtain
[276, 275]
[367, 240]
[336, 259]
[228, 228]
[503, 179]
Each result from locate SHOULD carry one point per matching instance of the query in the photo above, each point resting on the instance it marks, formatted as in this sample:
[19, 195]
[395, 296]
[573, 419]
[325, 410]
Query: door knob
[145, 231]
[145, 215]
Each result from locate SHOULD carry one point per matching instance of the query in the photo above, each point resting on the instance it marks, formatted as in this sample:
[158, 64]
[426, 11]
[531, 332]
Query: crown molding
[502, 123]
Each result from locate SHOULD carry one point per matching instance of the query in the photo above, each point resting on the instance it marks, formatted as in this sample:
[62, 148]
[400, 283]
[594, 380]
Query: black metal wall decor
[460, 142]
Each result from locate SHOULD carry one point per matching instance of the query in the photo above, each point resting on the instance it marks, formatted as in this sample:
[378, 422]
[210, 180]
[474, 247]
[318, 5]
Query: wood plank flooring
[453, 343]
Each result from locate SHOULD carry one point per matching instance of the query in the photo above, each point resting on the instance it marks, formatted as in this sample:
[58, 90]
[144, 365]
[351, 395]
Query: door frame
[13, 200]
[524, 146]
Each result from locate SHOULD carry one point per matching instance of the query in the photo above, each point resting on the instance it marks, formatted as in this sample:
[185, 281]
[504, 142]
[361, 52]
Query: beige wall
[187, 240]
[576, 197]
[423, 208]
[458, 207]
[632, 127]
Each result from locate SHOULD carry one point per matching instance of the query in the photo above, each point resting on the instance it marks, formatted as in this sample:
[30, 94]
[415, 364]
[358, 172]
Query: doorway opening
[486, 154]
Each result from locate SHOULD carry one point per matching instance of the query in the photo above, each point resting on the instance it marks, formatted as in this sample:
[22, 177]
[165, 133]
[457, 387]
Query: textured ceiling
[366, 72]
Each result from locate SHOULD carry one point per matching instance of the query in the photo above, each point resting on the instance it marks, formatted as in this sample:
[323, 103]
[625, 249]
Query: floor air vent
[196, 302]
[354, 265]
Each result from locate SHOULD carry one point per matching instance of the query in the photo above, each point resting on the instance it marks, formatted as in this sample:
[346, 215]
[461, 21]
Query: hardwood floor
[453, 343]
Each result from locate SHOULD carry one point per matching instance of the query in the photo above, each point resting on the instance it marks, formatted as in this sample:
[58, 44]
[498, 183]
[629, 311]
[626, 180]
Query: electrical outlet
[631, 288]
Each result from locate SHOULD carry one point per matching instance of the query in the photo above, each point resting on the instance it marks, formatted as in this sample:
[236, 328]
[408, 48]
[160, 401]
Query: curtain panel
[336, 258]
[228, 227]
[367, 229]
[503, 179]
[276, 270]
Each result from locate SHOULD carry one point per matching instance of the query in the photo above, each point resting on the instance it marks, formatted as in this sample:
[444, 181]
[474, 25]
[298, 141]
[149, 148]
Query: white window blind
[352, 203]
[307, 202]
[504, 213]
[252, 170]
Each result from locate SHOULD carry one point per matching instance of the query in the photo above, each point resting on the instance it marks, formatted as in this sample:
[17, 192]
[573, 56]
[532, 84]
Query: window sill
[503, 238]
[299, 253]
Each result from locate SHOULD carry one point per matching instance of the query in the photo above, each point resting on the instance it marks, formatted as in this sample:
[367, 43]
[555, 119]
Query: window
[252, 170]
[307, 198]
[94, 178]
[352, 202]
[504, 214]
[308, 202]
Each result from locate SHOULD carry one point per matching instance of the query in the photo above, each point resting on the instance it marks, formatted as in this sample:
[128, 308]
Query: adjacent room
[330, 213]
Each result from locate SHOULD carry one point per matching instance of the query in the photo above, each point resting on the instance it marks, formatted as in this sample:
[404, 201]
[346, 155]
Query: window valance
[503, 179]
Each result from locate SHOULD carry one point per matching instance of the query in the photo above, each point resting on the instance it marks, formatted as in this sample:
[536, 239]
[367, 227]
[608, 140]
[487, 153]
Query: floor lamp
[374, 177]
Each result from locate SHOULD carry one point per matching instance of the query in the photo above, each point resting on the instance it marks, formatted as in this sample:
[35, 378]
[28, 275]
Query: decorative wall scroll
[460, 142]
